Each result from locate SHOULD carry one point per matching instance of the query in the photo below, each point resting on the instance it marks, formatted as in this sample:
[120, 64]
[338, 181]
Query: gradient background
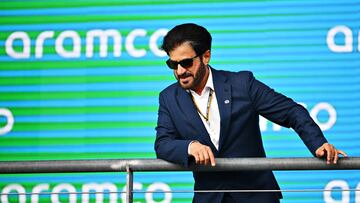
[106, 107]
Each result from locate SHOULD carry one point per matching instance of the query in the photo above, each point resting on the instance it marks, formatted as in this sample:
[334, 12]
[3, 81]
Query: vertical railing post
[129, 184]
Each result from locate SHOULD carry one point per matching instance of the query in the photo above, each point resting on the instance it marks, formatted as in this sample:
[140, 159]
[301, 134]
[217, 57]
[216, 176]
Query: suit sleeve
[285, 112]
[168, 144]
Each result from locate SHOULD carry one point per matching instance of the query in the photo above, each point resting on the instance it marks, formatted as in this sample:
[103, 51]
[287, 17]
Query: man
[210, 113]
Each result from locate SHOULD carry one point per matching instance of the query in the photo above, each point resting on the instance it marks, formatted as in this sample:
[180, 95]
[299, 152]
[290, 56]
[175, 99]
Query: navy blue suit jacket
[246, 98]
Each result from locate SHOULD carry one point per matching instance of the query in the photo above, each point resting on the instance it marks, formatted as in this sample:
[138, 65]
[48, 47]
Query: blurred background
[80, 80]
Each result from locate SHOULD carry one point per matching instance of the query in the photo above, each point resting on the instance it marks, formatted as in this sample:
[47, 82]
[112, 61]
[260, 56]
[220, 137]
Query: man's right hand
[202, 153]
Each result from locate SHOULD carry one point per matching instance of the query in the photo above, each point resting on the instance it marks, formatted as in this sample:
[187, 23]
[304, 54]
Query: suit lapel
[223, 96]
[192, 117]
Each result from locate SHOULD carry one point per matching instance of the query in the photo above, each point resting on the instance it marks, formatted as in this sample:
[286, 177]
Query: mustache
[184, 75]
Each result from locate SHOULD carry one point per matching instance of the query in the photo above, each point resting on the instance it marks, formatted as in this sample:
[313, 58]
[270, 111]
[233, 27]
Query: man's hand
[202, 154]
[331, 153]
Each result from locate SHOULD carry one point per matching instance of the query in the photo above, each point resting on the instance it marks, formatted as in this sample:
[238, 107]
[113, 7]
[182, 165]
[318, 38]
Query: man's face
[193, 77]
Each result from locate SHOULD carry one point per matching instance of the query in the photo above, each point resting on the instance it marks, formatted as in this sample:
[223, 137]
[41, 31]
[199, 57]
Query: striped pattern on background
[106, 107]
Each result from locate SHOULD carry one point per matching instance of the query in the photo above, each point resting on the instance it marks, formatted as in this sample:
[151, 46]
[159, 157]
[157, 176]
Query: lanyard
[207, 107]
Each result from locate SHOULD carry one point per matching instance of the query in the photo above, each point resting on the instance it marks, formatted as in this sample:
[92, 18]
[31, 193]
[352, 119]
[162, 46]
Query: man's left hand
[331, 153]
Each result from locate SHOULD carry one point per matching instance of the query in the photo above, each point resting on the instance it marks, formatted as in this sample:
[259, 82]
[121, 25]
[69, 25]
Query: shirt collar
[209, 84]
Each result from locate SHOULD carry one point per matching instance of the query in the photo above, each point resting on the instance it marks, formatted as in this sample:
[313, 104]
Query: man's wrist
[189, 146]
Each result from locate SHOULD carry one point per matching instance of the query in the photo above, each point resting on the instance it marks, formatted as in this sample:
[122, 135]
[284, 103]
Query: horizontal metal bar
[181, 191]
[222, 164]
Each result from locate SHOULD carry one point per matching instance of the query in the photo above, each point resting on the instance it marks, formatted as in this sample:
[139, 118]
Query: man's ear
[206, 57]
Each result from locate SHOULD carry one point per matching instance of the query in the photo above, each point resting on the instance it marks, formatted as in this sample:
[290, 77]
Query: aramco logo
[22, 39]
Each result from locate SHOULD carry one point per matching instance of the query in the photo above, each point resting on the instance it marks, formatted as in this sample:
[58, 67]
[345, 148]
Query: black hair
[198, 37]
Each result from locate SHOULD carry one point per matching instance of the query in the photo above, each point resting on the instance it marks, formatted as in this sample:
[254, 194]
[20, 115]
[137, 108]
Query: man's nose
[180, 70]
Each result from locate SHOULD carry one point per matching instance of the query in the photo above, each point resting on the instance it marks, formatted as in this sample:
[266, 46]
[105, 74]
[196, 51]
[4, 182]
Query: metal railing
[132, 165]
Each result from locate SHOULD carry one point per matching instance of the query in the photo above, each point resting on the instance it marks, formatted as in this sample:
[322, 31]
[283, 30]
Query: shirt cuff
[189, 146]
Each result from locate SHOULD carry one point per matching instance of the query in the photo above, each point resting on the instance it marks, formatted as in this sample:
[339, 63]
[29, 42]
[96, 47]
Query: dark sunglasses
[185, 63]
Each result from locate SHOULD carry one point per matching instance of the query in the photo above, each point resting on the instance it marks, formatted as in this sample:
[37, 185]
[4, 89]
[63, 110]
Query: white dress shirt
[213, 124]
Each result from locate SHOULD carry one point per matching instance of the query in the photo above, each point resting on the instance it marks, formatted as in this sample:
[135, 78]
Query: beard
[196, 79]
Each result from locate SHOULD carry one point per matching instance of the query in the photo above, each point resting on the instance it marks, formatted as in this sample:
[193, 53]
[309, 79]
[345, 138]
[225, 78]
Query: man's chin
[186, 86]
